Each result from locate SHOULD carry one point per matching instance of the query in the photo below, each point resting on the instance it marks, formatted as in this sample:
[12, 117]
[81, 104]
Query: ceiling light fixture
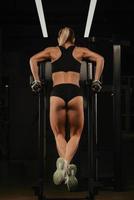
[41, 17]
[90, 17]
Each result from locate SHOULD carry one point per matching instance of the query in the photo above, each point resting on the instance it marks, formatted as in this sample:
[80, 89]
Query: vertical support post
[94, 127]
[117, 113]
[96, 134]
[42, 131]
[90, 135]
[41, 145]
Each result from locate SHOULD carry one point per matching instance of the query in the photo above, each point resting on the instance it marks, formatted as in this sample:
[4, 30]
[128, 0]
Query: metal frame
[39, 187]
[91, 127]
[92, 116]
[117, 113]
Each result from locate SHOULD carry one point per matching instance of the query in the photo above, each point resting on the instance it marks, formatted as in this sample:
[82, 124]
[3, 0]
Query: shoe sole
[58, 177]
[72, 182]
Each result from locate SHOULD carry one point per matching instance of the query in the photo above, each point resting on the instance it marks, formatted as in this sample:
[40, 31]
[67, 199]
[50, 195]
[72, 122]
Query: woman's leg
[57, 122]
[76, 121]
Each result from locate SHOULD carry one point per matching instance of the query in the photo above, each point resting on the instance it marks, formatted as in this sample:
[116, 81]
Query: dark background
[20, 38]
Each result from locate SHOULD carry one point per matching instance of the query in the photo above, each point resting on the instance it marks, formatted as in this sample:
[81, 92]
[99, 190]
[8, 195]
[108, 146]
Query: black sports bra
[66, 62]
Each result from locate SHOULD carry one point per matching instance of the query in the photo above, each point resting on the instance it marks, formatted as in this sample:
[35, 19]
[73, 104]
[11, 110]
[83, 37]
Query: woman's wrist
[37, 81]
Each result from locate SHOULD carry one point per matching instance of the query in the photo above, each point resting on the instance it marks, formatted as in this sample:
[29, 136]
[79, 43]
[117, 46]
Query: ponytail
[64, 35]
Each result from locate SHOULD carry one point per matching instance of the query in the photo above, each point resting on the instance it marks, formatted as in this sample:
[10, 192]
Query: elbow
[102, 60]
[32, 60]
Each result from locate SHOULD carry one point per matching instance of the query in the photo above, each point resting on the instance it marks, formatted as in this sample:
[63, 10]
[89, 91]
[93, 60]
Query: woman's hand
[36, 86]
[96, 86]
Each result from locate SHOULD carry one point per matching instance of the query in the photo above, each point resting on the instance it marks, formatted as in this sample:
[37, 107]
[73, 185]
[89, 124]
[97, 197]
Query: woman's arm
[97, 58]
[45, 54]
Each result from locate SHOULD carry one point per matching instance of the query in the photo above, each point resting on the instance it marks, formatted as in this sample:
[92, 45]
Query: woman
[66, 99]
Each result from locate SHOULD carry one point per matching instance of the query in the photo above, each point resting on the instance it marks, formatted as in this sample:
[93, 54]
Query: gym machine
[86, 76]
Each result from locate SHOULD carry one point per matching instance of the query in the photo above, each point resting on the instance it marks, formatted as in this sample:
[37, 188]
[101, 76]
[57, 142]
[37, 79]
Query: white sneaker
[59, 174]
[70, 178]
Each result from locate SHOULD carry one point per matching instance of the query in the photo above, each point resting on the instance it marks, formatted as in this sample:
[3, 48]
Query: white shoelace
[66, 178]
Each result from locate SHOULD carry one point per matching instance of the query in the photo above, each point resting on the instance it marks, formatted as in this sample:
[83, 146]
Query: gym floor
[21, 192]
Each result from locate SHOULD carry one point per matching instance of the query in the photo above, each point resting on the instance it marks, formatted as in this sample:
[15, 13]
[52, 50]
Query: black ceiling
[112, 17]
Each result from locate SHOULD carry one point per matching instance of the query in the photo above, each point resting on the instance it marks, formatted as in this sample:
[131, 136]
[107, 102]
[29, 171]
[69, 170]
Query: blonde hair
[66, 34]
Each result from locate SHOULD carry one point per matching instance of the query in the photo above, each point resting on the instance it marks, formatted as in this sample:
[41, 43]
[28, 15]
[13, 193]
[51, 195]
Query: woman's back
[65, 65]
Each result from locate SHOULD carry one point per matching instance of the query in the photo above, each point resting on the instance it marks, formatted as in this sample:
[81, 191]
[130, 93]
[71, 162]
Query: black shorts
[66, 91]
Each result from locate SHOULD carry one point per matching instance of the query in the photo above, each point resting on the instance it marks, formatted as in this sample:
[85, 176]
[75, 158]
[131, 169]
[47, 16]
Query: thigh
[57, 115]
[75, 114]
